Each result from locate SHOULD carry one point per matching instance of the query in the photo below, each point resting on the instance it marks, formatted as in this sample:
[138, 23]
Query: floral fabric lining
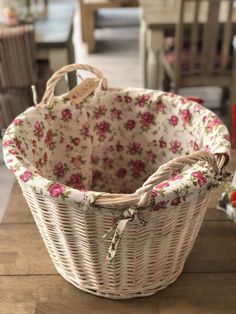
[111, 143]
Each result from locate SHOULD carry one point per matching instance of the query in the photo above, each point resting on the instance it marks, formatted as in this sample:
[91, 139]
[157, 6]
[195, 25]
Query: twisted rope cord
[131, 215]
[142, 196]
[164, 172]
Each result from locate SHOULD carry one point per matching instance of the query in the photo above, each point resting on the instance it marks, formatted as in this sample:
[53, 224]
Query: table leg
[89, 30]
[72, 77]
[82, 21]
[155, 42]
[59, 58]
[143, 51]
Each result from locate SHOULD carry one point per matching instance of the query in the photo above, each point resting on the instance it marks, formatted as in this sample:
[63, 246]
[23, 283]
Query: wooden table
[53, 37]
[89, 9]
[158, 19]
[29, 283]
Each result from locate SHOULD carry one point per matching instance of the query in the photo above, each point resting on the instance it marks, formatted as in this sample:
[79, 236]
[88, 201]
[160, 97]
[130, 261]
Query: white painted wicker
[149, 258]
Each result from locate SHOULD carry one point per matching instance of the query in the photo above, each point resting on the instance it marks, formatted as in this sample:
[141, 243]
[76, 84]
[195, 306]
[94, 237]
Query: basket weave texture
[118, 182]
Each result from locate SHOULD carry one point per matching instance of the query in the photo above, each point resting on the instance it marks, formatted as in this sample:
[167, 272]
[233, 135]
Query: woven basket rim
[102, 198]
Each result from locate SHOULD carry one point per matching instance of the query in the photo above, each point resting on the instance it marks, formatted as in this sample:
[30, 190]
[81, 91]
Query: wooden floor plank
[22, 250]
[190, 294]
[17, 210]
[214, 249]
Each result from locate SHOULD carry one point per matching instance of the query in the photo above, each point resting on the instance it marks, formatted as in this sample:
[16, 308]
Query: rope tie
[130, 215]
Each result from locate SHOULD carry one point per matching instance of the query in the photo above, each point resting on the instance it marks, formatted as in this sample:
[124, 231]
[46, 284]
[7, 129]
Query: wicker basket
[80, 159]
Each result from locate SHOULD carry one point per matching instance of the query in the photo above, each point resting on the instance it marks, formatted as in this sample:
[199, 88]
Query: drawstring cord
[130, 215]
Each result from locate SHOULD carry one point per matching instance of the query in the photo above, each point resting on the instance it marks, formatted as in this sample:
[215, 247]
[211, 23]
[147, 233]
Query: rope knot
[130, 215]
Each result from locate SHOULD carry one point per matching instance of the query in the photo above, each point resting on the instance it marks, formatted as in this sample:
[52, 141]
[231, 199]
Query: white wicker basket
[80, 159]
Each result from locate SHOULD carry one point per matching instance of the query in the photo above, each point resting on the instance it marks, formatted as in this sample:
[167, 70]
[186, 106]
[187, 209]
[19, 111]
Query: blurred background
[181, 46]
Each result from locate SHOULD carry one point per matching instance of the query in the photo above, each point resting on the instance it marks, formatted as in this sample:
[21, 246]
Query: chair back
[18, 66]
[18, 71]
[209, 42]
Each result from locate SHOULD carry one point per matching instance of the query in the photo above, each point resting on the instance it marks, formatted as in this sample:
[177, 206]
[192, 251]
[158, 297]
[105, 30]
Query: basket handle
[217, 162]
[48, 96]
[143, 194]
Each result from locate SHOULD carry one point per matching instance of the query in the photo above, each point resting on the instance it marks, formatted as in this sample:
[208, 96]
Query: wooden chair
[205, 56]
[88, 10]
[19, 70]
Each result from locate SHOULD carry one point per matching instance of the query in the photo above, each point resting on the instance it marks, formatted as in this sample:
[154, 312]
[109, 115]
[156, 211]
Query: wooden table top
[54, 31]
[29, 283]
[163, 14]
[98, 4]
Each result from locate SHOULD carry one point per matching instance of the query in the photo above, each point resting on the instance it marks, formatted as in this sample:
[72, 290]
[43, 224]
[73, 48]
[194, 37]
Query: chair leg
[233, 90]
[89, 30]
[3, 122]
[224, 98]
[83, 22]
[143, 51]
[154, 44]
[166, 82]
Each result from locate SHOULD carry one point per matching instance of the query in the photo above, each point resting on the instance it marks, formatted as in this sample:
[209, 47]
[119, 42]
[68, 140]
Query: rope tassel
[130, 215]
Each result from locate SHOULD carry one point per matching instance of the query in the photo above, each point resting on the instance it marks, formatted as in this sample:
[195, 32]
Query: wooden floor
[29, 283]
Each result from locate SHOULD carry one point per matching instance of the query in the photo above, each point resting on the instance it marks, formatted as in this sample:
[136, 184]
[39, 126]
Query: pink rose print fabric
[26, 176]
[185, 187]
[56, 189]
[112, 142]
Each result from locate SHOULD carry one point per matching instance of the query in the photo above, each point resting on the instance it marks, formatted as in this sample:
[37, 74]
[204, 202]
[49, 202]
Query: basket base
[137, 294]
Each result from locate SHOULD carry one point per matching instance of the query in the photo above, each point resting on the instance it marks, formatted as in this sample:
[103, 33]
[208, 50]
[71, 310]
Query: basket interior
[112, 142]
